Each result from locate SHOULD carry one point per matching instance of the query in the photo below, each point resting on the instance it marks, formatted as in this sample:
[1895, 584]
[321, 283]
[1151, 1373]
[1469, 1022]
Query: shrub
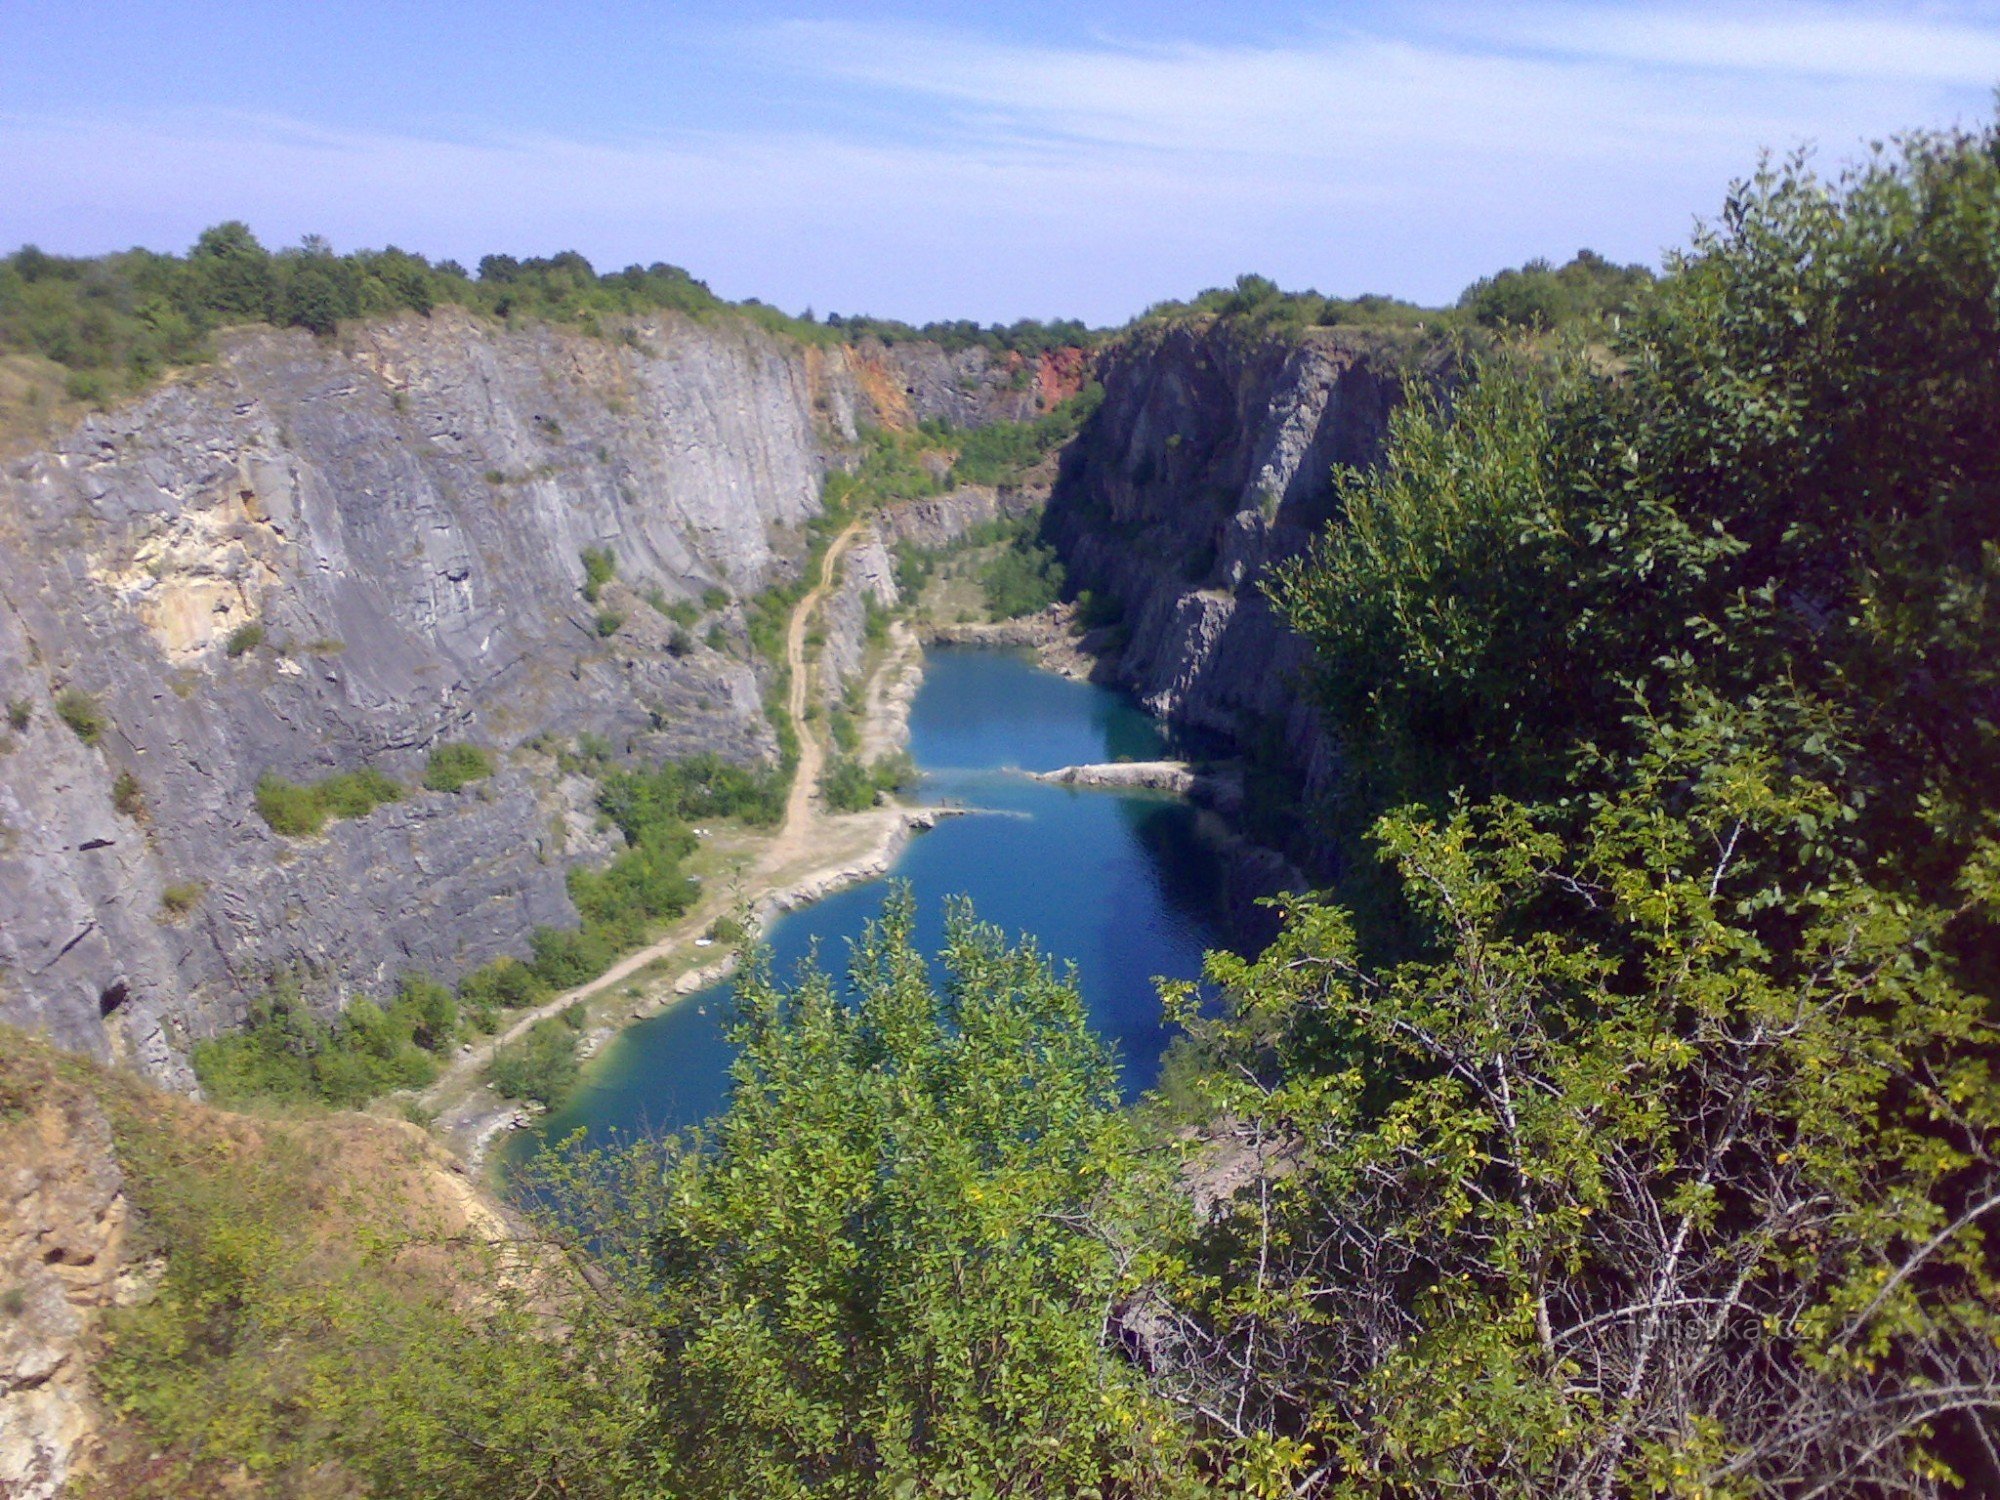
[79, 710]
[292, 810]
[609, 622]
[20, 714]
[504, 984]
[355, 794]
[849, 786]
[244, 638]
[299, 811]
[181, 898]
[128, 796]
[714, 598]
[455, 766]
[599, 568]
[540, 1065]
[288, 1054]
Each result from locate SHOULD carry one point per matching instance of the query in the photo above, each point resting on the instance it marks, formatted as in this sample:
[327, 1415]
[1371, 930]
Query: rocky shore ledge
[1218, 787]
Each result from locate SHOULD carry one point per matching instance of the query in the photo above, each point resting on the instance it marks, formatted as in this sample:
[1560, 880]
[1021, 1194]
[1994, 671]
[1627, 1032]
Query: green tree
[889, 1271]
[1663, 1176]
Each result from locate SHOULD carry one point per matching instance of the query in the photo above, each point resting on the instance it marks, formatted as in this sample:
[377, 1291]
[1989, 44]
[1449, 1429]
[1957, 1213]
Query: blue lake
[1125, 887]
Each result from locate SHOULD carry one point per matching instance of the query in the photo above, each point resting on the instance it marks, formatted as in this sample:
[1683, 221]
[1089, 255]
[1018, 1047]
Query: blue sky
[954, 160]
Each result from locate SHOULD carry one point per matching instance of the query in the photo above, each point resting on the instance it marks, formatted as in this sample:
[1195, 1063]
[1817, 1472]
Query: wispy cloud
[1802, 41]
[988, 178]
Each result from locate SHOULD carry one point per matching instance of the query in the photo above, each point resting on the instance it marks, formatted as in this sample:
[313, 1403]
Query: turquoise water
[1123, 886]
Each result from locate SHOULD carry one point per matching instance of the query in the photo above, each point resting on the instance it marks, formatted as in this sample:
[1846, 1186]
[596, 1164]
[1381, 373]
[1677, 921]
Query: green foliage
[299, 811]
[1023, 579]
[887, 1272]
[117, 321]
[1002, 452]
[1653, 1119]
[1790, 482]
[1588, 291]
[1642, 1137]
[128, 796]
[541, 1064]
[1257, 304]
[79, 710]
[600, 566]
[1027, 336]
[609, 622]
[504, 984]
[453, 767]
[714, 598]
[20, 714]
[644, 882]
[914, 567]
[849, 786]
[179, 899]
[244, 638]
[285, 1054]
[701, 786]
[319, 1327]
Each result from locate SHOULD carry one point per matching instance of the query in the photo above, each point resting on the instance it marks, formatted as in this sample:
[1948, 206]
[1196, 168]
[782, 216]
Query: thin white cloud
[1800, 40]
[1089, 179]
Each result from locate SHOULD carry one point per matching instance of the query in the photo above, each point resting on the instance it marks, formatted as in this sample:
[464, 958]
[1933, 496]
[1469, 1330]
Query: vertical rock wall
[1210, 461]
[313, 556]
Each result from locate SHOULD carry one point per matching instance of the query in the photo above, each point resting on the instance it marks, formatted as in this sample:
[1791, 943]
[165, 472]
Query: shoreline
[811, 858]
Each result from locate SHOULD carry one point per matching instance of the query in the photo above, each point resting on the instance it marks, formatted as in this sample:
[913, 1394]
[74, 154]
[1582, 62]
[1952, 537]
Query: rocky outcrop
[62, 1234]
[868, 577]
[312, 556]
[1210, 461]
[906, 383]
[936, 522]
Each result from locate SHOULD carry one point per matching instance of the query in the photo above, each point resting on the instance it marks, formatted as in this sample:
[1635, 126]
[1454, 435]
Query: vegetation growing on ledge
[453, 767]
[79, 710]
[600, 566]
[1003, 452]
[300, 811]
[287, 1055]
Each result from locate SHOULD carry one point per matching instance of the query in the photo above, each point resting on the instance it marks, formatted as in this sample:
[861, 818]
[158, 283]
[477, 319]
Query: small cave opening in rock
[114, 995]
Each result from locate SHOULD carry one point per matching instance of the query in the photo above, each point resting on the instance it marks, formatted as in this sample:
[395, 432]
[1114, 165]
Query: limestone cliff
[1210, 460]
[314, 556]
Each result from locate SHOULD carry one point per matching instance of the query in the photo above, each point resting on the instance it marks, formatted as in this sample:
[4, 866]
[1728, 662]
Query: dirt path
[468, 1117]
[802, 807]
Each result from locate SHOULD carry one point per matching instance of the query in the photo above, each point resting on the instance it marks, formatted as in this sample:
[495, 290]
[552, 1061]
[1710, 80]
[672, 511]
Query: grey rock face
[403, 516]
[868, 574]
[1210, 461]
[964, 387]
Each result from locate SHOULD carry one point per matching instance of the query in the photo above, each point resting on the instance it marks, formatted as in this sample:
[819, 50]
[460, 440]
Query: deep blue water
[1121, 885]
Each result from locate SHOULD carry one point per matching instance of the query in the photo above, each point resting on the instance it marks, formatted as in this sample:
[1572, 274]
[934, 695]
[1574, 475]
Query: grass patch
[453, 767]
[128, 796]
[179, 900]
[79, 710]
[299, 811]
[600, 566]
